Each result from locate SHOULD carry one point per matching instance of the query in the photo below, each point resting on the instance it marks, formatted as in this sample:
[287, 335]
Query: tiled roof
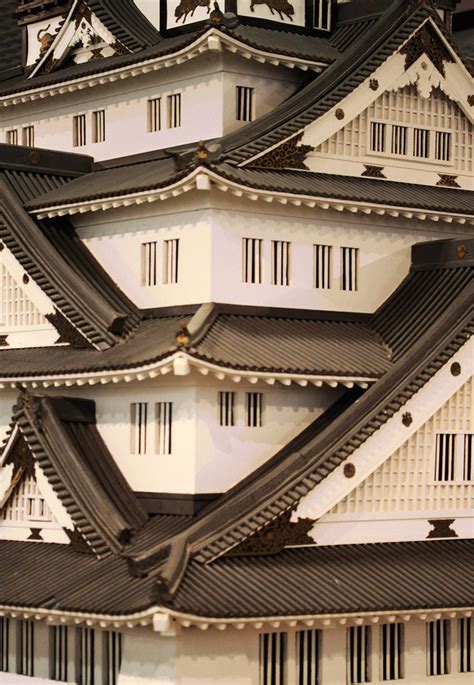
[324, 445]
[162, 172]
[125, 21]
[304, 345]
[331, 580]
[298, 582]
[52, 254]
[62, 434]
[11, 41]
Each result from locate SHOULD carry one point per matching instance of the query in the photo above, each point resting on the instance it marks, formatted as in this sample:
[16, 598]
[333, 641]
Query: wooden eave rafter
[181, 363]
[212, 41]
[202, 179]
[166, 621]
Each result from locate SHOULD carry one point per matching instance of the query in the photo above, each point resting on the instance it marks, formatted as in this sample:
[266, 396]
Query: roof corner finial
[216, 17]
[202, 152]
[183, 336]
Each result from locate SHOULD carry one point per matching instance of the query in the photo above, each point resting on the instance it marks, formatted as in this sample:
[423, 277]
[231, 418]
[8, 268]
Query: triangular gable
[29, 507]
[27, 314]
[81, 37]
[385, 132]
[427, 65]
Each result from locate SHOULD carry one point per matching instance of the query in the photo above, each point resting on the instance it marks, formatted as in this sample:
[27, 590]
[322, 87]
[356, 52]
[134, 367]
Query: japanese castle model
[236, 372]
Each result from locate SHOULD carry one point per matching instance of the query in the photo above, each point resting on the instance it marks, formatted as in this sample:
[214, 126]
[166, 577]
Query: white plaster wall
[225, 454]
[207, 86]
[116, 243]
[206, 457]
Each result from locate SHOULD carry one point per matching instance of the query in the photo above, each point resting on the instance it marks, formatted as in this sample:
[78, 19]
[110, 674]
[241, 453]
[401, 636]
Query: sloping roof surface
[161, 172]
[64, 268]
[310, 581]
[263, 343]
[10, 43]
[63, 436]
[339, 579]
[126, 22]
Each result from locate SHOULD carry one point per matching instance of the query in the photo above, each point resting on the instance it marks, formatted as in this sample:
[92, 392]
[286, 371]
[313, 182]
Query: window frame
[409, 156]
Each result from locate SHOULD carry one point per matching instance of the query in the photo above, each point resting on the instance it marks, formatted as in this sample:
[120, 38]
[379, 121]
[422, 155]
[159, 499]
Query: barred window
[252, 260]
[421, 143]
[164, 423]
[445, 456]
[399, 140]
[349, 268]
[174, 110]
[439, 647]
[391, 651]
[466, 645]
[11, 137]
[79, 136]
[443, 146]
[254, 409]
[308, 657]
[28, 136]
[58, 651]
[85, 656]
[468, 466]
[377, 136]
[4, 643]
[280, 262]
[322, 14]
[244, 103]
[98, 126]
[138, 422]
[112, 653]
[154, 115]
[273, 650]
[359, 649]
[149, 263]
[170, 261]
[25, 653]
[227, 408]
[322, 266]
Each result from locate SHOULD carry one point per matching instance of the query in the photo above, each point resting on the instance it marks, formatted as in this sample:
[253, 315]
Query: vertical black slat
[145, 423]
[468, 642]
[350, 636]
[310, 657]
[461, 644]
[253, 260]
[177, 261]
[392, 629]
[430, 628]
[384, 651]
[170, 424]
[265, 659]
[440, 647]
[245, 260]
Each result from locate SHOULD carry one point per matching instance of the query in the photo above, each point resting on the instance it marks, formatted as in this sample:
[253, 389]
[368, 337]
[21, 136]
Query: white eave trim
[167, 621]
[212, 41]
[181, 363]
[202, 178]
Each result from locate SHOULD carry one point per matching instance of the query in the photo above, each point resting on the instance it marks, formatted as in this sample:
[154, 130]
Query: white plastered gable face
[23, 307]
[439, 103]
[30, 510]
[395, 491]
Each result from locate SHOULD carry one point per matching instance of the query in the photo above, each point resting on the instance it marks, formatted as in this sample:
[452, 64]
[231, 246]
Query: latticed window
[391, 651]
[322, 14]
[4, 643]
[170, 261]
[244, 103]
[164, 425]
[399, 140]
[359, 647]
[273, 651]
[252, 260]
[11, 136]
[439, 647]
[421, 142]
[58, 650]
[174, 110]
[349, 268]
[466, 645]
[149, 263]
[25, 652]
[308, 657]
[377, 136]
[112, 651]
[254, 409]
[468, 465]
[85, 656]
[322, 266]
[28, 136]
[226, 408]
[98, 126]
[154, 115]
[445, 456]
[27, 503]
[16, 309]
[138, 423]
[280, 262]
[443, 146]
[79, 133]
